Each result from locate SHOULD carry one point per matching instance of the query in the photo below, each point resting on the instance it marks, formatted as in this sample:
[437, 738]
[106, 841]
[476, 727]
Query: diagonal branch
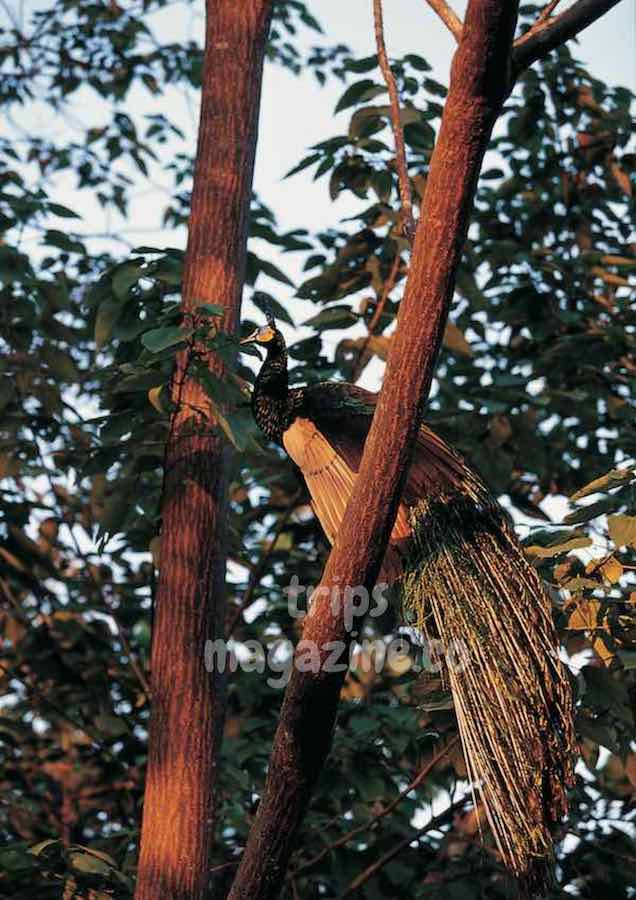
[352, 889]
[479, 86]
[548, 33]
[408, 223]
[259, 569]
[424, 772]
[546, 12]
[448, 16]
[389, 284]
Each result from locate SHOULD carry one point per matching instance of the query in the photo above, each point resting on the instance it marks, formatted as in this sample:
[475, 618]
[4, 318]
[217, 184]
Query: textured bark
[187, 701]
[480, 82]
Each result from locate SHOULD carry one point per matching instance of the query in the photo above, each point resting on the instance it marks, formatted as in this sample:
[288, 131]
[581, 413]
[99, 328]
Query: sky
[296, 113]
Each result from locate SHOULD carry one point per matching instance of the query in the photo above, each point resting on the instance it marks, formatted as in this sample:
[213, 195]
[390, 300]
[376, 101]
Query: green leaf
[264, 301]
[491, 174]
[237, 427]
[60, 363]
[367, 64]
[628, 658]
[64, 242]
[63, 211]
[333, 317]
[268, 268]
[108, 313]
[90, 863]
[435, 87]
[161, 338]
[573, 543]
[611, 479]
[356, 93]
[210, 309]
[303, 164]
[417, 62]
[125, 277]
[367, 120]
[111, 726]
[604, 690]
[114, 512]
[622, 530]
[587, 513]
[168, 269]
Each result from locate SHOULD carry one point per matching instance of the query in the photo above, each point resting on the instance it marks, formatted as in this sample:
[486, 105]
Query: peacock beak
[251, 338]
[250, 345]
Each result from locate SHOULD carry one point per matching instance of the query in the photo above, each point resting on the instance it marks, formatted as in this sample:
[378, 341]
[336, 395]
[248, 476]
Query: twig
[132, 658]
[225, 865]
[134, 662]
[345, 838]
[408, 223]
[62, 713]
[354, 886]
[546, 12]
[258, 570]
[548, 33]
[449, 17]
[388, 286]
[13, 601]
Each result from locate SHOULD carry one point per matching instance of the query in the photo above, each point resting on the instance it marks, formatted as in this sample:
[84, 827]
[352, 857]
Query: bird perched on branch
[464, 578]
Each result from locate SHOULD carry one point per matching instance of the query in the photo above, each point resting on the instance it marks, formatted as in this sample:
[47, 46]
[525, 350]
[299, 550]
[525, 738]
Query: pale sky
[295, 112]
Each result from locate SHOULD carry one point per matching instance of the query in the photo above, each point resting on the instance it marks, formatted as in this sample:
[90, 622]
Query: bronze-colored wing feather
[330, 477]
[327, 444]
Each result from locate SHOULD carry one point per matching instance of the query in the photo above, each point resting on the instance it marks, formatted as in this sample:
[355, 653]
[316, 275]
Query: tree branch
[448, 16]
[388, 286]
[364, 876]
[257, 572]
[408, 223]
[480, 81]
[546, 12]
[424, 772]
[548, 33]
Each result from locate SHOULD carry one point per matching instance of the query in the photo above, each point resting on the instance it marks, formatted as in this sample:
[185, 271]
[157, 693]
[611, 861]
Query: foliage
[535, 386]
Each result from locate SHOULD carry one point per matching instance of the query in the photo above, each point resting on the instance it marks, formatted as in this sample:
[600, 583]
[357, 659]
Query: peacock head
[267, 336]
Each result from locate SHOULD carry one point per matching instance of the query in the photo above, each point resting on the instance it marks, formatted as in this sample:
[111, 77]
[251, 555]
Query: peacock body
[464, 579]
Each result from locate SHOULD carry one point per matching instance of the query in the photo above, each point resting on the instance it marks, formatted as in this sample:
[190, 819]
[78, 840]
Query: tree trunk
[480, 81]
[187, 701]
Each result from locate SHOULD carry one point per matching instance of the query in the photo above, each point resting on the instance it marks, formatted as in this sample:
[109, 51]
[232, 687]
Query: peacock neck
[271, 392]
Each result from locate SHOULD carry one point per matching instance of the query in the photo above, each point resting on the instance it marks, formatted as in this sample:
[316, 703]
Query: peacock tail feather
[468, 584]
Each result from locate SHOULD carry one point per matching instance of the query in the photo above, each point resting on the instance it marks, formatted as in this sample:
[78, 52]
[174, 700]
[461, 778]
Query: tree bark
[187, 701]
[480, 82]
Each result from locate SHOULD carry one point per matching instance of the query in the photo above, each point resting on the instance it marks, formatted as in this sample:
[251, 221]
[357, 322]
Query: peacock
[463, 578]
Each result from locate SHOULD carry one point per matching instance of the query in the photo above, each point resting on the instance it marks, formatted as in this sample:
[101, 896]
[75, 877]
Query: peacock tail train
[468, 583]
[465, 581]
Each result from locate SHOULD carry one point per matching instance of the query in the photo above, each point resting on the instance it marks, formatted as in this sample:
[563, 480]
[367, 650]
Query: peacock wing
[326, 442]
[343, 412]
[330, 478]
